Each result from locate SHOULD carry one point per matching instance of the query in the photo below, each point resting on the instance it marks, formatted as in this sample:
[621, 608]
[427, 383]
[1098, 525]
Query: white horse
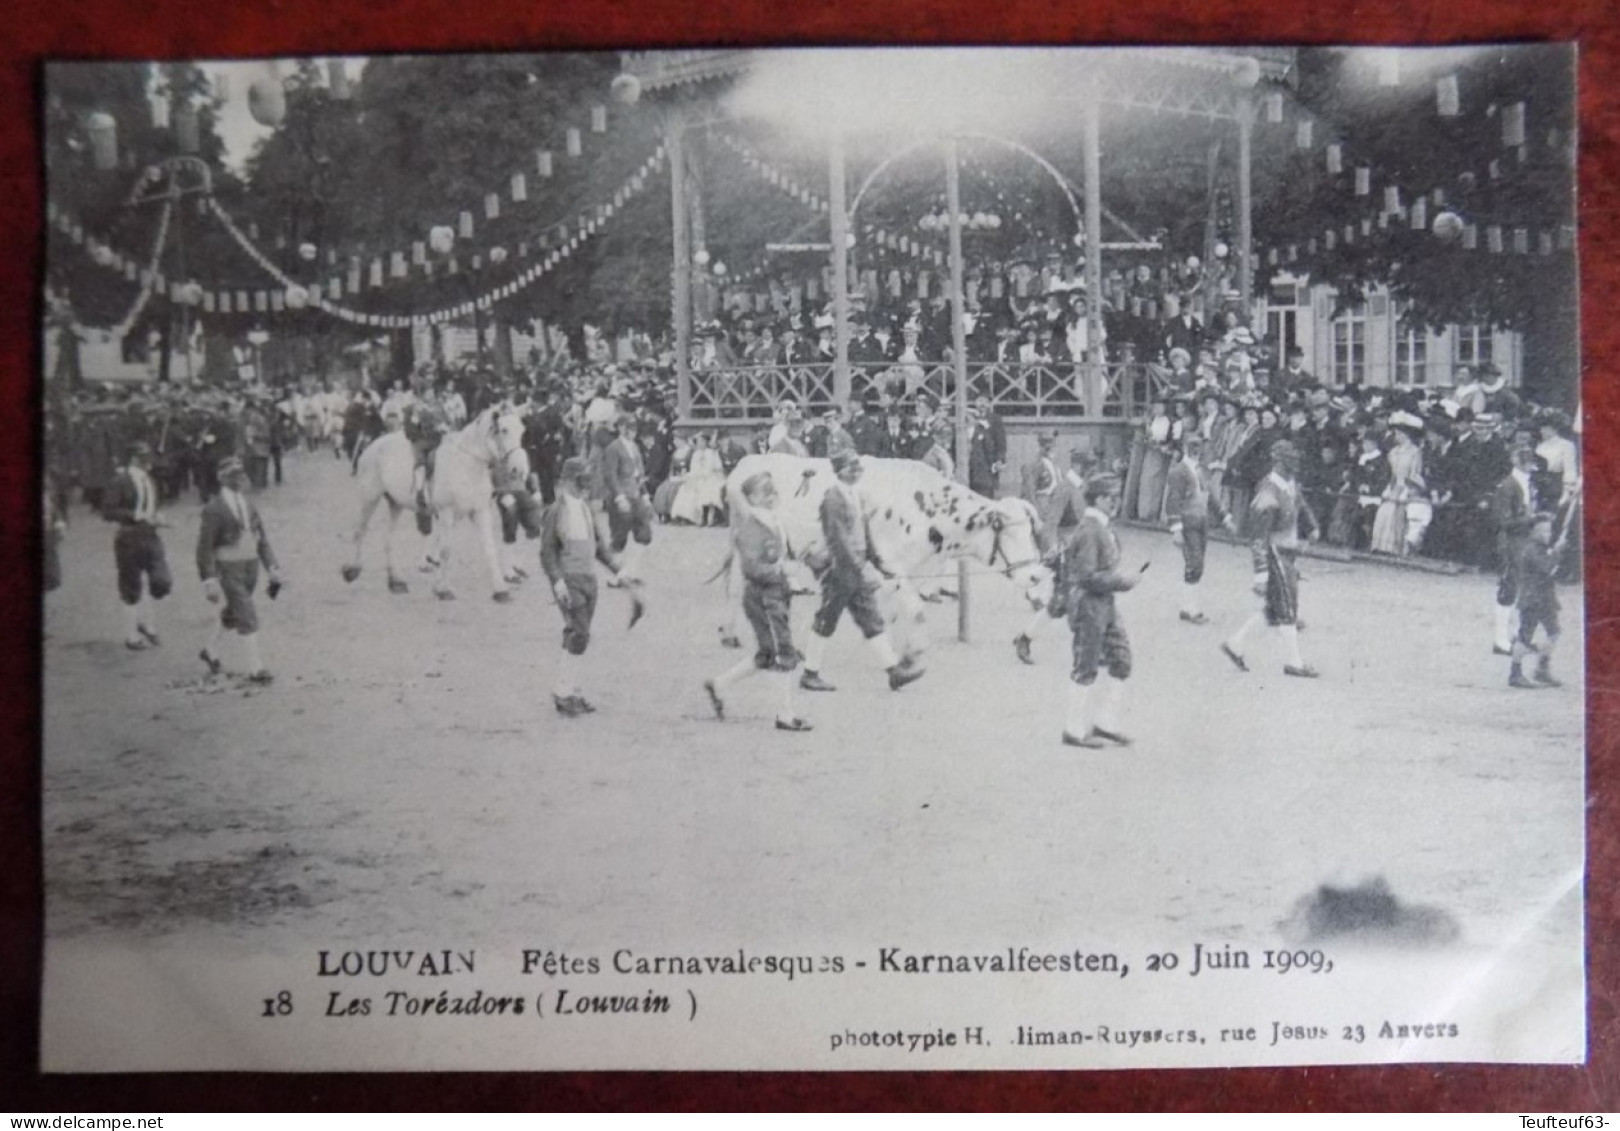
[463, 486]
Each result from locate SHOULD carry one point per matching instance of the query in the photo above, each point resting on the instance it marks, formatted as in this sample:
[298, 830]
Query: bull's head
[1013, 547]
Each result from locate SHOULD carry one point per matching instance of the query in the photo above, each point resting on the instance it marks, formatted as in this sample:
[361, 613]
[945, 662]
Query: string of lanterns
[296, 296]
[150, 276]
[1446, 223]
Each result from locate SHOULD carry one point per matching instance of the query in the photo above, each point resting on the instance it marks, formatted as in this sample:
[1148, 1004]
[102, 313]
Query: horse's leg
[351, 571]
[492, 554]
[445, 528]
[396, 584]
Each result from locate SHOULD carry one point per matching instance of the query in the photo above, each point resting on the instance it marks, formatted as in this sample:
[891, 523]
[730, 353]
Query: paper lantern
[1521, 240]
[1274, 107]
[337, 78]
[441, 239]
[492, 206]
[497, 255]
[185, 127]
[576, 145]
[297, 298]
[520, 188]
[267, 100]
[1363, 180]
[1470, 237]
[599, 119]
[466, 226]
[1493, 239]
[626, 89]
[1420, 214]
[1302, 134]
[1447, 99]
[542, 162]
[103, 131]
[1513, 125]
[396, 264]
[1221, 251]
[1335, 159]
[1247, 73]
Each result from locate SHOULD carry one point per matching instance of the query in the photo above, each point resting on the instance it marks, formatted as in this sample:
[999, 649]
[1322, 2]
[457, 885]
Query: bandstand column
[1093, 161]
[836, 193]
[681, 314]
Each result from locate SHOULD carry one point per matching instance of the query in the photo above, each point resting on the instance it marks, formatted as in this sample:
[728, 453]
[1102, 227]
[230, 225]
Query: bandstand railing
[1045, 391]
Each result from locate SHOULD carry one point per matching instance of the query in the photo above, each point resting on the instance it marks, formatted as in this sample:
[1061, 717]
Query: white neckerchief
[1281, 483]
[238, 505]
[1099, 515]
[577, 522]
[145, 501]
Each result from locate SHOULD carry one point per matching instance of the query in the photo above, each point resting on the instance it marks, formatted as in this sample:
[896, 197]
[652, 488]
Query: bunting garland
[325, 302]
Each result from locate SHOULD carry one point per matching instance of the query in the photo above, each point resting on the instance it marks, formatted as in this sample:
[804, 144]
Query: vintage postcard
[839, 560]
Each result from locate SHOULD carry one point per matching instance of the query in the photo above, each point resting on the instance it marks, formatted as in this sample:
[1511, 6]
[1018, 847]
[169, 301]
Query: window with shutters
[1470, 345]
[1350, 346]
[1411, 353]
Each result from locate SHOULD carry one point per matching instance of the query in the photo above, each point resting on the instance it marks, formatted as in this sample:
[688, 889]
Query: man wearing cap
[761, 548]
[624, 486]
[1275, 515]
[1044, 488]
[1189, 505]
[1513, 505]
[1102, 650]
[850, 581]
[132, 502]
[231, 545]
[570, 545]
[1478, 462]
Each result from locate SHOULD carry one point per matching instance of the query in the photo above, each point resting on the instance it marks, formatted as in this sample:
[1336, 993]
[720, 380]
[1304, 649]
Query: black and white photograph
[832, 559]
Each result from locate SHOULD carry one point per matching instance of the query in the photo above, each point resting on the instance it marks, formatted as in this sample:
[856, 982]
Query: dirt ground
[407, 773]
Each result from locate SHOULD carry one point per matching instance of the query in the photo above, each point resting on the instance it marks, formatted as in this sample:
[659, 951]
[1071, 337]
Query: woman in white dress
[699, 498]
[1407, 491]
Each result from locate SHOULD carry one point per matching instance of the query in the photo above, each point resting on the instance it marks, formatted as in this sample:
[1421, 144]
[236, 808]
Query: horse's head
[503, 431]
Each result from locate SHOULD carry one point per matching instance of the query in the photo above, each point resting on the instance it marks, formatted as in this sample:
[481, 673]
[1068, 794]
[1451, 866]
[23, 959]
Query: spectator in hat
[1154, 440]
[1403, 513]
[138, 554]
[231, 546]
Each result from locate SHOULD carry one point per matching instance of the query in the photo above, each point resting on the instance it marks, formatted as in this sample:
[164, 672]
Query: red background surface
[35, 31]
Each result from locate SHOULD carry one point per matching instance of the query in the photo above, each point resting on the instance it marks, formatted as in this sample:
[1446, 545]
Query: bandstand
[1087, 92]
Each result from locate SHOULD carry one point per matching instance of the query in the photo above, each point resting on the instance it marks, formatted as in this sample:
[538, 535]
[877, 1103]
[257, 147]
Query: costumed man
[515, 486]
[132, 502]
[1538, 604]
[1276, 514]
[1512, 506]
[761, 548]
[231, 545]
[1189, 504]
[850, 581]
[1045, 489]
[629, 509]
[1102, 650]
[424, 424]
[570, 545]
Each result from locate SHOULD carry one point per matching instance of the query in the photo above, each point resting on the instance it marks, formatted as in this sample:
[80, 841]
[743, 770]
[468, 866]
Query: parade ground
[406, 773]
